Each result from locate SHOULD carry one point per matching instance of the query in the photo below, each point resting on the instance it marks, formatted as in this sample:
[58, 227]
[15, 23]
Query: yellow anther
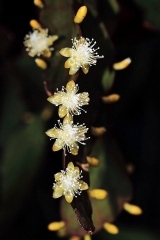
[41, 63]
[111, 98]
[87, 237]
[80, 15]
[132, 209]
[39, 3]
[93, 162]
[75, 238]
[35, 24]
[98, 131]
[99, 194]
[55, 226]
[121, 65]
[111, 228]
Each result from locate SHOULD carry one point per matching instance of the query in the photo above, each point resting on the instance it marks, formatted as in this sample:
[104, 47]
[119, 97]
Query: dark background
[135, 118]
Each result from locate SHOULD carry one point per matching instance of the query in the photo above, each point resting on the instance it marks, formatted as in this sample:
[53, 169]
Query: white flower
[69, 100]
[68, 183]
[38, 42]
[82, 54]
[68, 135]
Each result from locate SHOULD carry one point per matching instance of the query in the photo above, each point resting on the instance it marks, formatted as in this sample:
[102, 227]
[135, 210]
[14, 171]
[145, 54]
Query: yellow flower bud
[38, 3]
[93, 162]
[54, 226]
[111, 228]
[132, 209]
[99, 194]
[47, 53]
[41, 63]
[98, 131]
[87, 237]
[81, 13]
[35, 24]
[75, 238]
[111, 98]
[121, 65]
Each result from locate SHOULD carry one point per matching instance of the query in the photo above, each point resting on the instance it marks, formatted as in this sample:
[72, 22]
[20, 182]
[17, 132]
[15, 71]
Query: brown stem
[64, 158]
[46, 89]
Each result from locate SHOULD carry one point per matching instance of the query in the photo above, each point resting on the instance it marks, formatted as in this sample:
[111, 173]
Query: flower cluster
[81, 55]
[68, 135]
[69, 100]
[38, 42]
[68, 183]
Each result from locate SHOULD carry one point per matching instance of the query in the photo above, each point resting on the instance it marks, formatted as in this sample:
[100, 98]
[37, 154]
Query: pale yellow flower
[68, 135]
[38, 42]
[69, 100]
[68, 183]
[81, 55]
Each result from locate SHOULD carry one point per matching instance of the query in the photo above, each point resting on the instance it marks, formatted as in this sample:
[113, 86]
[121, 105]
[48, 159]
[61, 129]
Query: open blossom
[68, 135]
[38, 42]
[68, 183]
[81, 55]
[69, 100]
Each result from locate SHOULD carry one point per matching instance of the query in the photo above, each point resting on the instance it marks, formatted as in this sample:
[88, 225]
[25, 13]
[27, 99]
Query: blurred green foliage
[151, 11]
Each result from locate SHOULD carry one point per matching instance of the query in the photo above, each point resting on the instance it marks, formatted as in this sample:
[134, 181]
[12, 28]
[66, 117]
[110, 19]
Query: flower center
[71, 100]
[38, 41]
[68, 134]
[70, 183]
[84, 52]
[82, 55]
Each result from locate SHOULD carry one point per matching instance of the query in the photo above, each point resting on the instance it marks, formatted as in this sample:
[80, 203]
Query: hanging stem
[64, 158]
[46, 89]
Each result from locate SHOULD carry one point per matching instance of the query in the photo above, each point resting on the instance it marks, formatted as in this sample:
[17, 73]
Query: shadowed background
[135, 118]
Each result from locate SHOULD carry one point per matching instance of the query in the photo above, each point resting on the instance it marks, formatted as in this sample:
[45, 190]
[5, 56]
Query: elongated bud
[132, 209]
[35, 24]
[99, 194]
[54, 226]
[47, 53]
[111, 98]
[80, 15]
[93, 162]
[121, 65]
[87, 237]
[75, 238]
[111, 228]
[98, 131]
[39, 3]
[41, 63]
